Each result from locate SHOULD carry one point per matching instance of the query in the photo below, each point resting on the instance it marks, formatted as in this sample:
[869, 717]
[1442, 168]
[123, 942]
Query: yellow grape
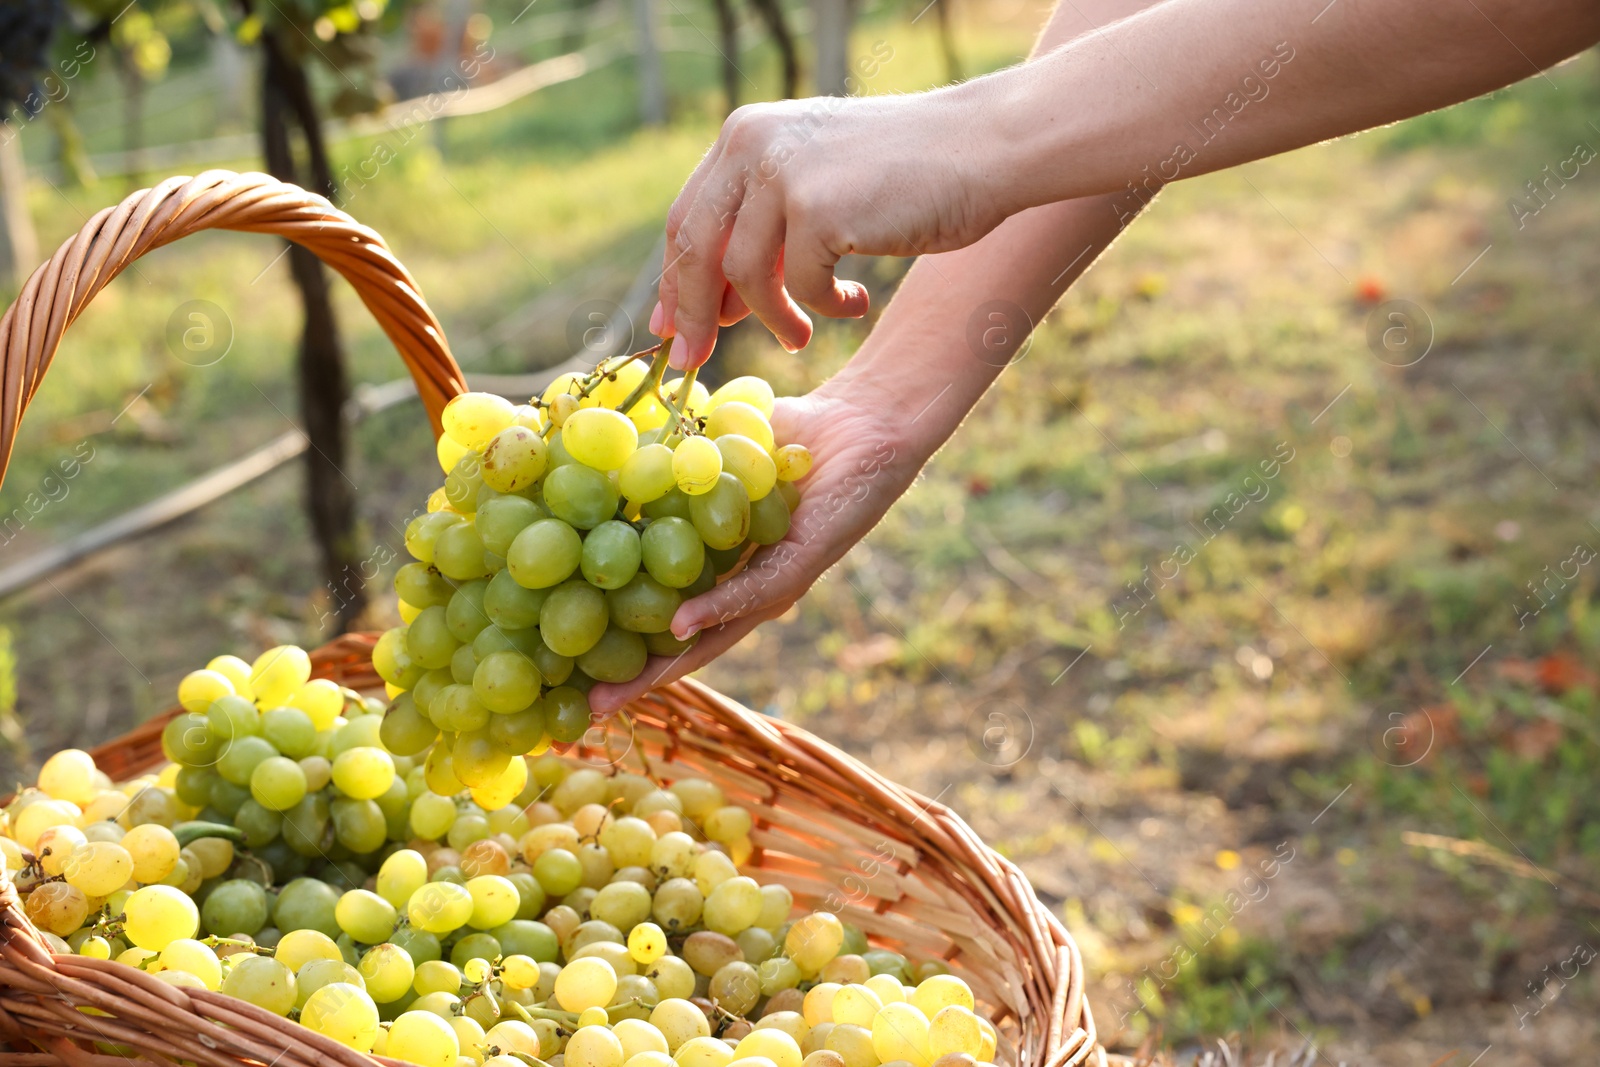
[423, 1038]
[193, 957]
[647, 943]
[793, 462]
[941, 991]
[363, 772]
[495, 901]
[747, 389]
[408, 612]
[600, 437]
[474, 418]
[387, 971]
[154, 850]
[735, 416]
[278, 673]
[593, 1046]
[344, 1012]
[955, 1029]
[56, 845]
[566, 384]
[900, 1032]
[679, 1021]
[97, 948]
[236, 671]
[99, 868]
[593, 1017]
[698, 396]
[564, 407]
[299, 947]
[704, 1052]
[647, 475]
[449, 452]
[519, 972]
[856, 1004]
[58, 908]
[696, 464]
[196, 692]
[818, 1004]
[624, 376]
[770, 1044]
[888, 988]
[158, 915]
[503, 788]
[69, 775]
[401, 875]
[440, 907]
[589, 982]
[748, 462]
[322, 701]
[814, 940]
[638, 1036]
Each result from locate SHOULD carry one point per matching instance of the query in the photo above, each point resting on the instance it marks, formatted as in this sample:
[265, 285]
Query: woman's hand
[859, 468]
[789, 188]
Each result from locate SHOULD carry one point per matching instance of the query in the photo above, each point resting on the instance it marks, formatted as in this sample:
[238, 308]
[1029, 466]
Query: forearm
[1192, 86]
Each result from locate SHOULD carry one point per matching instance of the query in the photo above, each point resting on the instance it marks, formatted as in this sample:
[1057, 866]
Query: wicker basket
[905, 869]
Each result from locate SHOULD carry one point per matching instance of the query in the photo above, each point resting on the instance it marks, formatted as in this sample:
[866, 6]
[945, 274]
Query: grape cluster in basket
[565, 536]
[555, 916]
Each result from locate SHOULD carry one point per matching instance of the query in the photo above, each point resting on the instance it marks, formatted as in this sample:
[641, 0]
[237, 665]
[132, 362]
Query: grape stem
[652, 381]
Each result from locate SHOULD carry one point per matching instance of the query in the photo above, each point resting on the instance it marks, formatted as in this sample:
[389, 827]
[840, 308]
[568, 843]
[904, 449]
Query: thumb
[775, 575]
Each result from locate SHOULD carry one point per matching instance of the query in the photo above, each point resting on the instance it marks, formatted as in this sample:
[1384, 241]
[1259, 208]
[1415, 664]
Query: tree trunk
[75, 162]
[728, 33]
[330, 497]
[833, 19]
[652, 81]
[947, 40]
[132, 120]
[19, 245]
[771, 12]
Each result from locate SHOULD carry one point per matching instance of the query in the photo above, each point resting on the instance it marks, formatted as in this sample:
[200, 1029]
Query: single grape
[696, 463]
[567, 713]
[618, 656]
[644, 605]
[278, 672]
[736, 416]
[464, 615]
[290, 730]
[157, 915]
[422, 1038]
[580, 495]
[514, 460]
[459, 552]
[544, 554]
[769, 519]
[405, 732]
[721, 516]
[277, 783]
[673, 552]
[344, 1012]
[363, 772]
[573, 618]
[387, 971]
[611, 555]
[264, 981]
[749, 462]
[599, 437]
[647, 475]
[506, 682]
[472, 419]
[518, 732]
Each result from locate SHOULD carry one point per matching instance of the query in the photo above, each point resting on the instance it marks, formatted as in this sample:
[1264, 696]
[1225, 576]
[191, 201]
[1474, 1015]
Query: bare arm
[864, 424]
[1182, 88]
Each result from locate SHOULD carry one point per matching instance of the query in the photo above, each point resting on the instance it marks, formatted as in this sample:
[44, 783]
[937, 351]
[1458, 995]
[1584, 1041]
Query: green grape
[644, 605]
[556, 454]
[457, 709]
[738, 417]
[545, 553]
[461, 486]
[706, 582]
[428, 687]
[367, 917]
[465, 615]
[518, 732]
[514, 460]
[664, 644]
[673, 552]
[436, 976]
[358, 825]
[531, 894]
[735, 987]
[748, 462]
[494, 639]
[476, 760]
[391, 658]
[721, 515]
[793, 462]
[776, 903]
[696, 464]
[678, 905]
[232, 716]
[618, 656]
[226, 797]
[241, 759]
[420, 945]
[423, 532]
[733, 906]
[459, 553]
[186, 739]
[553, 667]
[306, 904]
[510, 605]
[432, 816]
[263, 981]
[506, 682]
[674, 504]
[566, 713]
[439, 907]
[305, 824]
[722, 560]
[463, 664]
[404, 731]
[193, 785]
[277, 783]
[611, 554]
[776, 974]
[499, 521]
[647, 474]
[573, 618]
[528, 937]
[600, 438]
[558, 872]
[580, 495]
[622, 904]
[261, 825]
[474, 946]
[421, 586]
[236, 906]
[429, 640]
[769, 519]
[363, 772]
[290, 731]
[360, 732]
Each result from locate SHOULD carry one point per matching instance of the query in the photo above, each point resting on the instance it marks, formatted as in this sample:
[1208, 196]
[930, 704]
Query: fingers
[774, 578]
[733, 308]
[662, 325]
[606, 699]
[808, 272]
[753, 265]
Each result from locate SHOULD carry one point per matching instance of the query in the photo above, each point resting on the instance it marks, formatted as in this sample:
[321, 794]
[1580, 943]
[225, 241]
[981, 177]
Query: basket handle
[60, 289]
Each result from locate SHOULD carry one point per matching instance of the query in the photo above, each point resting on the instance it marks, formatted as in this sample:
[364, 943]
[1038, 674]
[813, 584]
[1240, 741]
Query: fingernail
[656, 318]
[687, 633]
[691, 350]
[678, 358]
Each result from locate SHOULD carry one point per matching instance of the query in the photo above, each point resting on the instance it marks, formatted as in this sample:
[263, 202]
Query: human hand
[791, 187]
[859, 468]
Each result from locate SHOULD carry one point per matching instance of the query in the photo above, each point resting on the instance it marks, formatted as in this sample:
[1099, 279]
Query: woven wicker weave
[905, 869]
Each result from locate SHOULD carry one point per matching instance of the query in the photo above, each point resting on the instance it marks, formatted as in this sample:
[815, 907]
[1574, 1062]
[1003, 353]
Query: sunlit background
[1303, 756]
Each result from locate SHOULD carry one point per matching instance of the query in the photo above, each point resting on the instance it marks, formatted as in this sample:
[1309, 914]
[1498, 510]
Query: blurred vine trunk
[19, 244]
[132, 119]
[728, 32]
[771, 12]
[652, 79]
[947, 39]
[833, 19]
[286, 102]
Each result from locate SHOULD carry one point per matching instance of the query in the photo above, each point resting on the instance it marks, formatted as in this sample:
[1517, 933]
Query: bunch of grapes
[290, 857]
[567, 532]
